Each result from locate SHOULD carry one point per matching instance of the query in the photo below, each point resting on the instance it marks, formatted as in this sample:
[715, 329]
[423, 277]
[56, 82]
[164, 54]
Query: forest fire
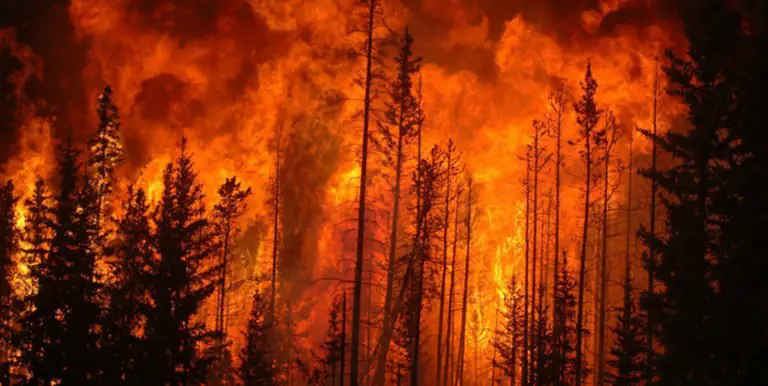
[509, 209]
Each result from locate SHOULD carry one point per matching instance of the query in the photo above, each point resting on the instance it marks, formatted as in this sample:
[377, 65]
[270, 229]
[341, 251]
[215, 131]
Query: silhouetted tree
[226, 212]
[629, 345]
[710, 258]
[9, 307]
[105, 151]
[464, 302]
[587, 116]
[509, 340]
[257, 362]
[127, 293]
[179, 282]
[58, 338]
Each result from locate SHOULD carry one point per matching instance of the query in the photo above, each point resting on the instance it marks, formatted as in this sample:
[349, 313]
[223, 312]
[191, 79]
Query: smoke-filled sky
[456, 35]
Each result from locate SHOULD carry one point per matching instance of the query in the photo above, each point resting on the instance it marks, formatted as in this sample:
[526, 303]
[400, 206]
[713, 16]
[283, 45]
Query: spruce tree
[9, 245]
[179, 348]
[127, 293]
[257, 362]
[509, 342]
[105, 151]
[59, 341]
[627, 353]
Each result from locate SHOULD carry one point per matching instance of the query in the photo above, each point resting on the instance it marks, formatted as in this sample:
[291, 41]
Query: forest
[383, 192]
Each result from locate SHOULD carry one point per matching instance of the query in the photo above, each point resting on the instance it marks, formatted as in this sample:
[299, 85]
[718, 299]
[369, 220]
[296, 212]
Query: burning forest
[383, 192]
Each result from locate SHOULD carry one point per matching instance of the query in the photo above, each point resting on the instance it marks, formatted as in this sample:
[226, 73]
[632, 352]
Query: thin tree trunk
[583, 260]
[652, 226]
[534, 258]
[343, 348]
[361, 207]
[448, 375]
[462, 334]
[557, 104]
[445, 265]
[420, 236]
[495, 338]
[275, 221]
[527, 260]
[627, 262]
[603, 273]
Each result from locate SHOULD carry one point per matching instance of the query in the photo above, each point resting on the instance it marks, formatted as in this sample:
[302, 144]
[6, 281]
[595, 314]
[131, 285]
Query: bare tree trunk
[275, 221]
[343, 348]
[527, 260]
[361, 207]
[583, 260]
[557, 103]
[652, 229]
[448, 375]
[495, 338]
[445, 264]
[534, 256]
[627, 262]
[603, 273]
[462, 334]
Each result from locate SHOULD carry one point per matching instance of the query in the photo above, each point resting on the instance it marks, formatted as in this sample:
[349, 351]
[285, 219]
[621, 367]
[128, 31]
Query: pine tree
[629, 346]
[127, 293]
[226, 213]
[395, 131]
[566, 313]
[557, 105]
[179, 282]
[612, 133]
[464, 302]
[59, 334]
[257, 362]
[9, 307]
[510, 337]
[331, 347]
[358, 285]
[452, 170]
[588, 116]
[709, 258]
[105, 151]
[37, 231]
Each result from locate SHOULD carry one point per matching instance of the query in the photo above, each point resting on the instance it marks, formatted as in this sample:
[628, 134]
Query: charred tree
[612, 133]
[588, 116]
[651, 256]
[447, 371]
[451, 171]
[358, 284]
[510, 337]
[557, 105]
[394, 132]
[226, 212]
[465, 298]
[275, 220]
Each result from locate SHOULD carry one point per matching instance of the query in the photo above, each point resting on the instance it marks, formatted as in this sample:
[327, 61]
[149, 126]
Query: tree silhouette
[179, 281]
[9, 307]
[257, 362]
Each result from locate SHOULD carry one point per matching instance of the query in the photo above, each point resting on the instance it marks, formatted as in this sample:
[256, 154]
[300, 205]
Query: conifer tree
[37, 231]
[179, 281]
[105, 151]
[629, 345]
[9, 245]
[588, 116]
[226, 213]
[465, 298]
[257, 362]
[59, 334]
[510, 336]
[127, 293]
